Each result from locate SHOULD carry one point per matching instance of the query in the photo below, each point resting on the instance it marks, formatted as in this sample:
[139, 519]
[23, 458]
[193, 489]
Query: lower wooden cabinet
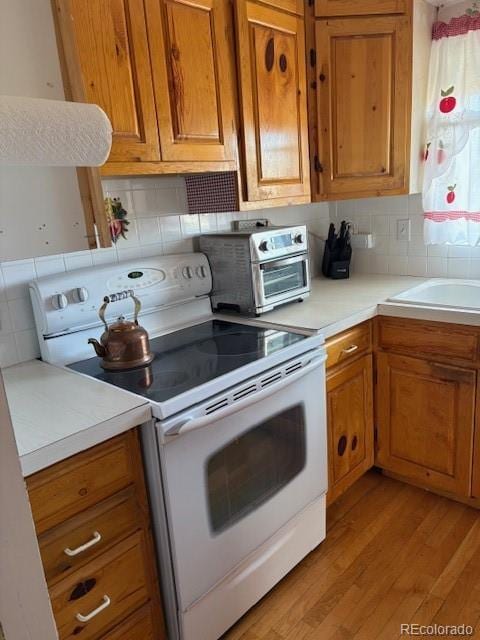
[103, 592]
[93, 528]
[350, 424]
[425, 422]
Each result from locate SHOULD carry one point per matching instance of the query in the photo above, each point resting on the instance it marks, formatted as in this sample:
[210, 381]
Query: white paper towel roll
[34, 131]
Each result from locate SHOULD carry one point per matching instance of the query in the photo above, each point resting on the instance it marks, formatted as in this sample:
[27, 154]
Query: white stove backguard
[173, 291]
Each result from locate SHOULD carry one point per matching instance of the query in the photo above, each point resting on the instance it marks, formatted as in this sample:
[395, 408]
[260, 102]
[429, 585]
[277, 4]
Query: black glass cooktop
[190, 357]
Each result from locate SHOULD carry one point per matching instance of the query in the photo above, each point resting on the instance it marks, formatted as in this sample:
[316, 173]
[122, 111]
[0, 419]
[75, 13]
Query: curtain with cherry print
[451, 192]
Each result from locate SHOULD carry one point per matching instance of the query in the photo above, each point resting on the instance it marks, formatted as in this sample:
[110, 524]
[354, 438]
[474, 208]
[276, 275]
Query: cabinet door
[350, 425]
[363, 106]
[425, 421]
[271, 62]
[191, 47]
[325, 8]
[106, 50]
[476, 453]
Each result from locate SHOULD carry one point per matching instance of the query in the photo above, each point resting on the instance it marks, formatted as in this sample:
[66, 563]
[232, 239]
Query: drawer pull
[350, 350]
[83, 547]
[106, 603]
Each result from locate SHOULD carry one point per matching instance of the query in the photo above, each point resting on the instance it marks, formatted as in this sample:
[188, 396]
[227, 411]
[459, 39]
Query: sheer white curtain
[451, 193]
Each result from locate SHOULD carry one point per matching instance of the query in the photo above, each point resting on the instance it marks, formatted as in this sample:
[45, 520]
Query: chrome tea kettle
[124, 344]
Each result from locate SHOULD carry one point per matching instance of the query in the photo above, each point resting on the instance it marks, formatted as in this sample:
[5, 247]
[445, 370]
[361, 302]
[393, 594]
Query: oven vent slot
[244, 392]
[271, 379]
[216, 406]
[292, 368]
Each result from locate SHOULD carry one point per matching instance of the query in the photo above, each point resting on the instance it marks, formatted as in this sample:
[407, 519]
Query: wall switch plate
[404, 230]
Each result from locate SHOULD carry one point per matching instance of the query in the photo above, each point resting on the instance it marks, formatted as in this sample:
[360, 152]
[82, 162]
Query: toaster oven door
[278, 281]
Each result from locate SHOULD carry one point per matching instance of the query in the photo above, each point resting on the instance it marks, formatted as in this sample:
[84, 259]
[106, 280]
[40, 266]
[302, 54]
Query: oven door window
[249, 470]
[281, 278]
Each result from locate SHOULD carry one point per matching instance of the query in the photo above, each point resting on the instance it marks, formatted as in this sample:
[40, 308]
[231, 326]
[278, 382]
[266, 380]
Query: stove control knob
[201, 271]
[264, 246]
[299, 239]
[80, 294]
[187, 273]
[59, 301]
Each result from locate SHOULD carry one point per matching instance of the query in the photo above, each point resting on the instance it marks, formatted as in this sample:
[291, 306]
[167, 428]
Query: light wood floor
[393, 554]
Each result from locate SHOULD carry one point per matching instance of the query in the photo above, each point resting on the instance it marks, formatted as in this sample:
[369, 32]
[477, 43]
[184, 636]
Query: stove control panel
[137, 279]
[68, 302]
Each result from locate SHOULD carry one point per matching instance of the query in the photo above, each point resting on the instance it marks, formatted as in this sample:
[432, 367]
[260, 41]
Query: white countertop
[57, 413]
[336, 305]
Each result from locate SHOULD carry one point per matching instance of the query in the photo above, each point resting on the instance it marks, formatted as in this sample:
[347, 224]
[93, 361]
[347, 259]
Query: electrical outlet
[403, 230]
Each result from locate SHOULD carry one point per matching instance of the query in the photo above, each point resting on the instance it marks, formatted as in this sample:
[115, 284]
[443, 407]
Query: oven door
[232, 479]
[279, 280]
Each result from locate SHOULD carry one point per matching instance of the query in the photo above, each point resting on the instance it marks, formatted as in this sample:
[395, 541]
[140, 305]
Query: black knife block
[336, 264]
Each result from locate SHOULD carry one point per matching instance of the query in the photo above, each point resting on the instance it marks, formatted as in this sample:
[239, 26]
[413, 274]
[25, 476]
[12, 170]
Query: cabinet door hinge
[318, 165]
[313, 57]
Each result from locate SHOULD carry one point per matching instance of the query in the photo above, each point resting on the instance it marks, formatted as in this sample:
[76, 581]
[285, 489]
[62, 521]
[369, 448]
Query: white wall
[40, 207]
[390, 255]
[158, 225]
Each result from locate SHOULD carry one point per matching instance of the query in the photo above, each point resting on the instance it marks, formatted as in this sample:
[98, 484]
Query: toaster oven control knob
[299, 239]
[264, 245]
[187, 273]
[80, 294]
[59, 301]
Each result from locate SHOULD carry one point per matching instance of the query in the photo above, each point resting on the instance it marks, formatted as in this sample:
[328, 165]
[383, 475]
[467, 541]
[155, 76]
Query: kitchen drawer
[349, 344]
[118, 581]
[414, 337]
[71, 544]
[139, 626]
[70, 486]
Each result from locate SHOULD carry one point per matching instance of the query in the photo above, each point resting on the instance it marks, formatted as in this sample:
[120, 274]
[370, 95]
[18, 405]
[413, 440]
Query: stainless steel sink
[453, 294]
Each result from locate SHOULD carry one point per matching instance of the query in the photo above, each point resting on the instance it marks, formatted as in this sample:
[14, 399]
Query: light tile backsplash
[379, 216]
[159, 224]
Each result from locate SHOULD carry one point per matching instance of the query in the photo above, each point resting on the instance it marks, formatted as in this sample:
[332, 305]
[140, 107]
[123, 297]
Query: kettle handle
[114, 297]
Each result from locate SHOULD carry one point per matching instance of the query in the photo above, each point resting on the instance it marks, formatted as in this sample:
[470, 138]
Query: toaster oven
[256, 270]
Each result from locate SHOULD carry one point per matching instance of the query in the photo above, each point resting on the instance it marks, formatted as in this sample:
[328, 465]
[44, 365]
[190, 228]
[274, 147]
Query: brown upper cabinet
[160, 70]
[109, 64]
[327, 8]
[273, 107]
[363, 91]
[191, 50]
[220, 85]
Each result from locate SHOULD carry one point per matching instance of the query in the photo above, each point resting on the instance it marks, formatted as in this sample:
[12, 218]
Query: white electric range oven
[236, 452]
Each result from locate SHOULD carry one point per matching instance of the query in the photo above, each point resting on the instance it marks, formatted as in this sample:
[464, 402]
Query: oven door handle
[192, 423]
[283, 262]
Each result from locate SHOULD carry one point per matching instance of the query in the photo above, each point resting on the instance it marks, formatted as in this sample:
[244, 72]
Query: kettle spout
[99, 348]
